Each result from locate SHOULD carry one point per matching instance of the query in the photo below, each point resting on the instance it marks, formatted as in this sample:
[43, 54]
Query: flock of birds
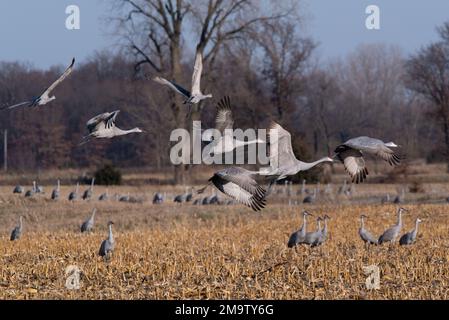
[238, 183]
[319, 236]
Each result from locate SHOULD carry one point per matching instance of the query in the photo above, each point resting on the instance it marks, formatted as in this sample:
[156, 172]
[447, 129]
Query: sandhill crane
[385, 199]
[224, 123]
[74, 194]
[45, 97]
[312, 238]
[303, 189]
[39, 189]
[55, 193]
[239, 184]
[283, 162]
[400, 198]
[17, 231]
[310, 198]
[103, 126]
[342, 189]
[392, 233]
[213, 199]
[195, 96]
[124, 198]
[298, 236]
[87, 195]
[104, 196]
[158, 198]
[89, 223]
[31, 193]
[365, 235]
[18, 189]
[107, 246]
[410, 237]
[323, 233]
[351, 152]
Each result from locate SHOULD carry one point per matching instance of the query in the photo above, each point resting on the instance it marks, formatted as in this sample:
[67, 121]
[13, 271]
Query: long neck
[318, 227]
[304, 224]
[93, 214]
[362, 223]
[110, 237]
[325, 226]
[399, 223]
[308, 165]
[415, 231]
[59, 185]
[20, 223]
[120, 132]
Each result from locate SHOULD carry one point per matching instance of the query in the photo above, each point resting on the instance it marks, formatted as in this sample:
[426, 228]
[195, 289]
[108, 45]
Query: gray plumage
[17, 231]
[323, 234]
[89, 223]
[310, 198]
[312, 238]
[107, 246]
[55, 193]
[18, 189]
[158, 198]
[410, 237]
[30, 193]
[74, 194]
[45, 97]
[87, 195]
[239, 184]
[365, 235]
[283, 162]
[298, 236]
[391, 234]
[104, 196]
[351, 153]
[103, 126]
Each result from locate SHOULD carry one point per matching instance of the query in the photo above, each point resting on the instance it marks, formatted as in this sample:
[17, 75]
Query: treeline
[269, 70]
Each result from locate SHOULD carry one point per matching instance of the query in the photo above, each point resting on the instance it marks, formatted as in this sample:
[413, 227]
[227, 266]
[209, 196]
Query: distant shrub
[108, 175]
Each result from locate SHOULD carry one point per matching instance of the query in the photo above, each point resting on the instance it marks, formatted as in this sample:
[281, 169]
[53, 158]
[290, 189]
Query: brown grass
[208, 252]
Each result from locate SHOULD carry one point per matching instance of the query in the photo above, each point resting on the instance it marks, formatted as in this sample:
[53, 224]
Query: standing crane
[74, 194]
[410, 237]
[88, 225]
[107, 246]
[365, 235]
[87, 195]
[392, 233]
[298, 236]
[17, 231]
[55, 193]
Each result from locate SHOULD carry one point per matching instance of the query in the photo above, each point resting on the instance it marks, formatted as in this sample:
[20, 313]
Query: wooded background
[258, 55]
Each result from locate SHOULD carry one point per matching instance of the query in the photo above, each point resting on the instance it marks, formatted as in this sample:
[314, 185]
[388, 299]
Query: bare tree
[428, 75]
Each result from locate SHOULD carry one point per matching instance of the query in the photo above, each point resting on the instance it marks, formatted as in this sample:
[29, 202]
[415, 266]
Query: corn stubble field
[172, 251]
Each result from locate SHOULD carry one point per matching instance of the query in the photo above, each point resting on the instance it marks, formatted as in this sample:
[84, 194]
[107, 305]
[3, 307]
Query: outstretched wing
[173, 86]
[102, 121]
[16, 105]
[388, 155]
[224, 118]
[196, 77]
[66, 73]
[353, 161]
[281, 151]
[241, 187]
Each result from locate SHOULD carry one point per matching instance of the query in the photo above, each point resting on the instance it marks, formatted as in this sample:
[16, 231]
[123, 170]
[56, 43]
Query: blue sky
[34, 31]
